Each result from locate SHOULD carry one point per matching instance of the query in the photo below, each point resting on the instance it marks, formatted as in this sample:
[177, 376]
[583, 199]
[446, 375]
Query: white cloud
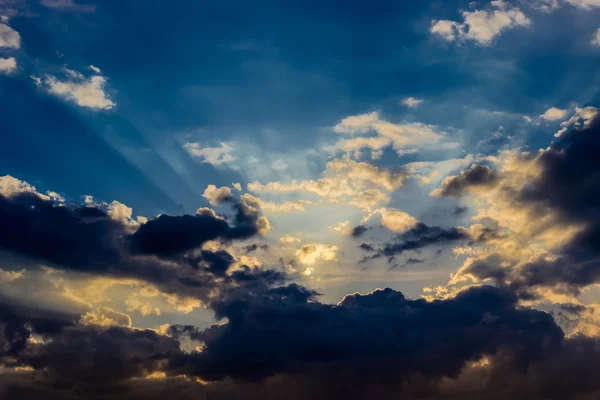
[394, 220]
[216, 196]
[11, 186]
[95, 69]
[288, 239]
[237, 186]
[546, 5]
[358, 183]
[412, 102]
[585, 4]
[211, 155]
[357, 124]
[481, 26]
[586, 114]
[9, 37]
[8, 65]
[309, 254]
[286, 207]
[84, 92]
[596, 40]
[68, 5]
[554, 114]
[404, 138]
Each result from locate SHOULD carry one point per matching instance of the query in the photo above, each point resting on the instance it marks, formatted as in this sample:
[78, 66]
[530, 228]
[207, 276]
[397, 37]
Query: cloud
[392, 219]
[211, 155]
[9, 276]
[359, 183]
[101, 239]
[8, 65]
[285, 207]
[84, 92]
[217, 196]
[596, 40]
[288, 239]
[478, 176]
[412, 102]
[357, 123]
[546, 204]
[417, 238]
[546, 5]
[585, 114]
[359, 230]
[382, 334]
[404, 137]
[481, 26]
[105, 316]
[309, 254]
[585, 4]
[554, 114]
[9, 38]
[68, 6]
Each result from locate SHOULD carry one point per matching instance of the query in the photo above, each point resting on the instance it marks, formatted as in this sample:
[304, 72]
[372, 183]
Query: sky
[292, 199]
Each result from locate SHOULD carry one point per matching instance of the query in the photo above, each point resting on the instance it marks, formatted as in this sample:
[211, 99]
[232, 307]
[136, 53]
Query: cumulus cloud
[403, 137]
[394, 220]
[8, 65]
[581, 117]
[481, 26]
[546, 203]
[585, 4]
[9, 38]
[596, 40]
[554, 114]
[289, 239]
[359, 183]
[478, 176]
[102, 239]
[289, 331]
[217, 196]
[105, 316]
[309, 254]
[211, 155]
[546, 5]
[412, 102]
[85, 92]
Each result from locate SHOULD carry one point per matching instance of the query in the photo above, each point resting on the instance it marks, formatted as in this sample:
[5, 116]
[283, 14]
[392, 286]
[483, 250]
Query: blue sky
[371, 144]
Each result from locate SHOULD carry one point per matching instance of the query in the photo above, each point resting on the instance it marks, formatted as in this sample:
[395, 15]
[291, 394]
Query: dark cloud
[567, 187]
[458, 211]
[254, 247]
[85, 239]
[359, 230]
[419, 237]
[383, 335]
[18, 321]
[477, 175]
[77, 238]
[284, 343]
[366, 247]
[170, 235]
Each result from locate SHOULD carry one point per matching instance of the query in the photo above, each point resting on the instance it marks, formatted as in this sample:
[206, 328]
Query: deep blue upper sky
[232, 69]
